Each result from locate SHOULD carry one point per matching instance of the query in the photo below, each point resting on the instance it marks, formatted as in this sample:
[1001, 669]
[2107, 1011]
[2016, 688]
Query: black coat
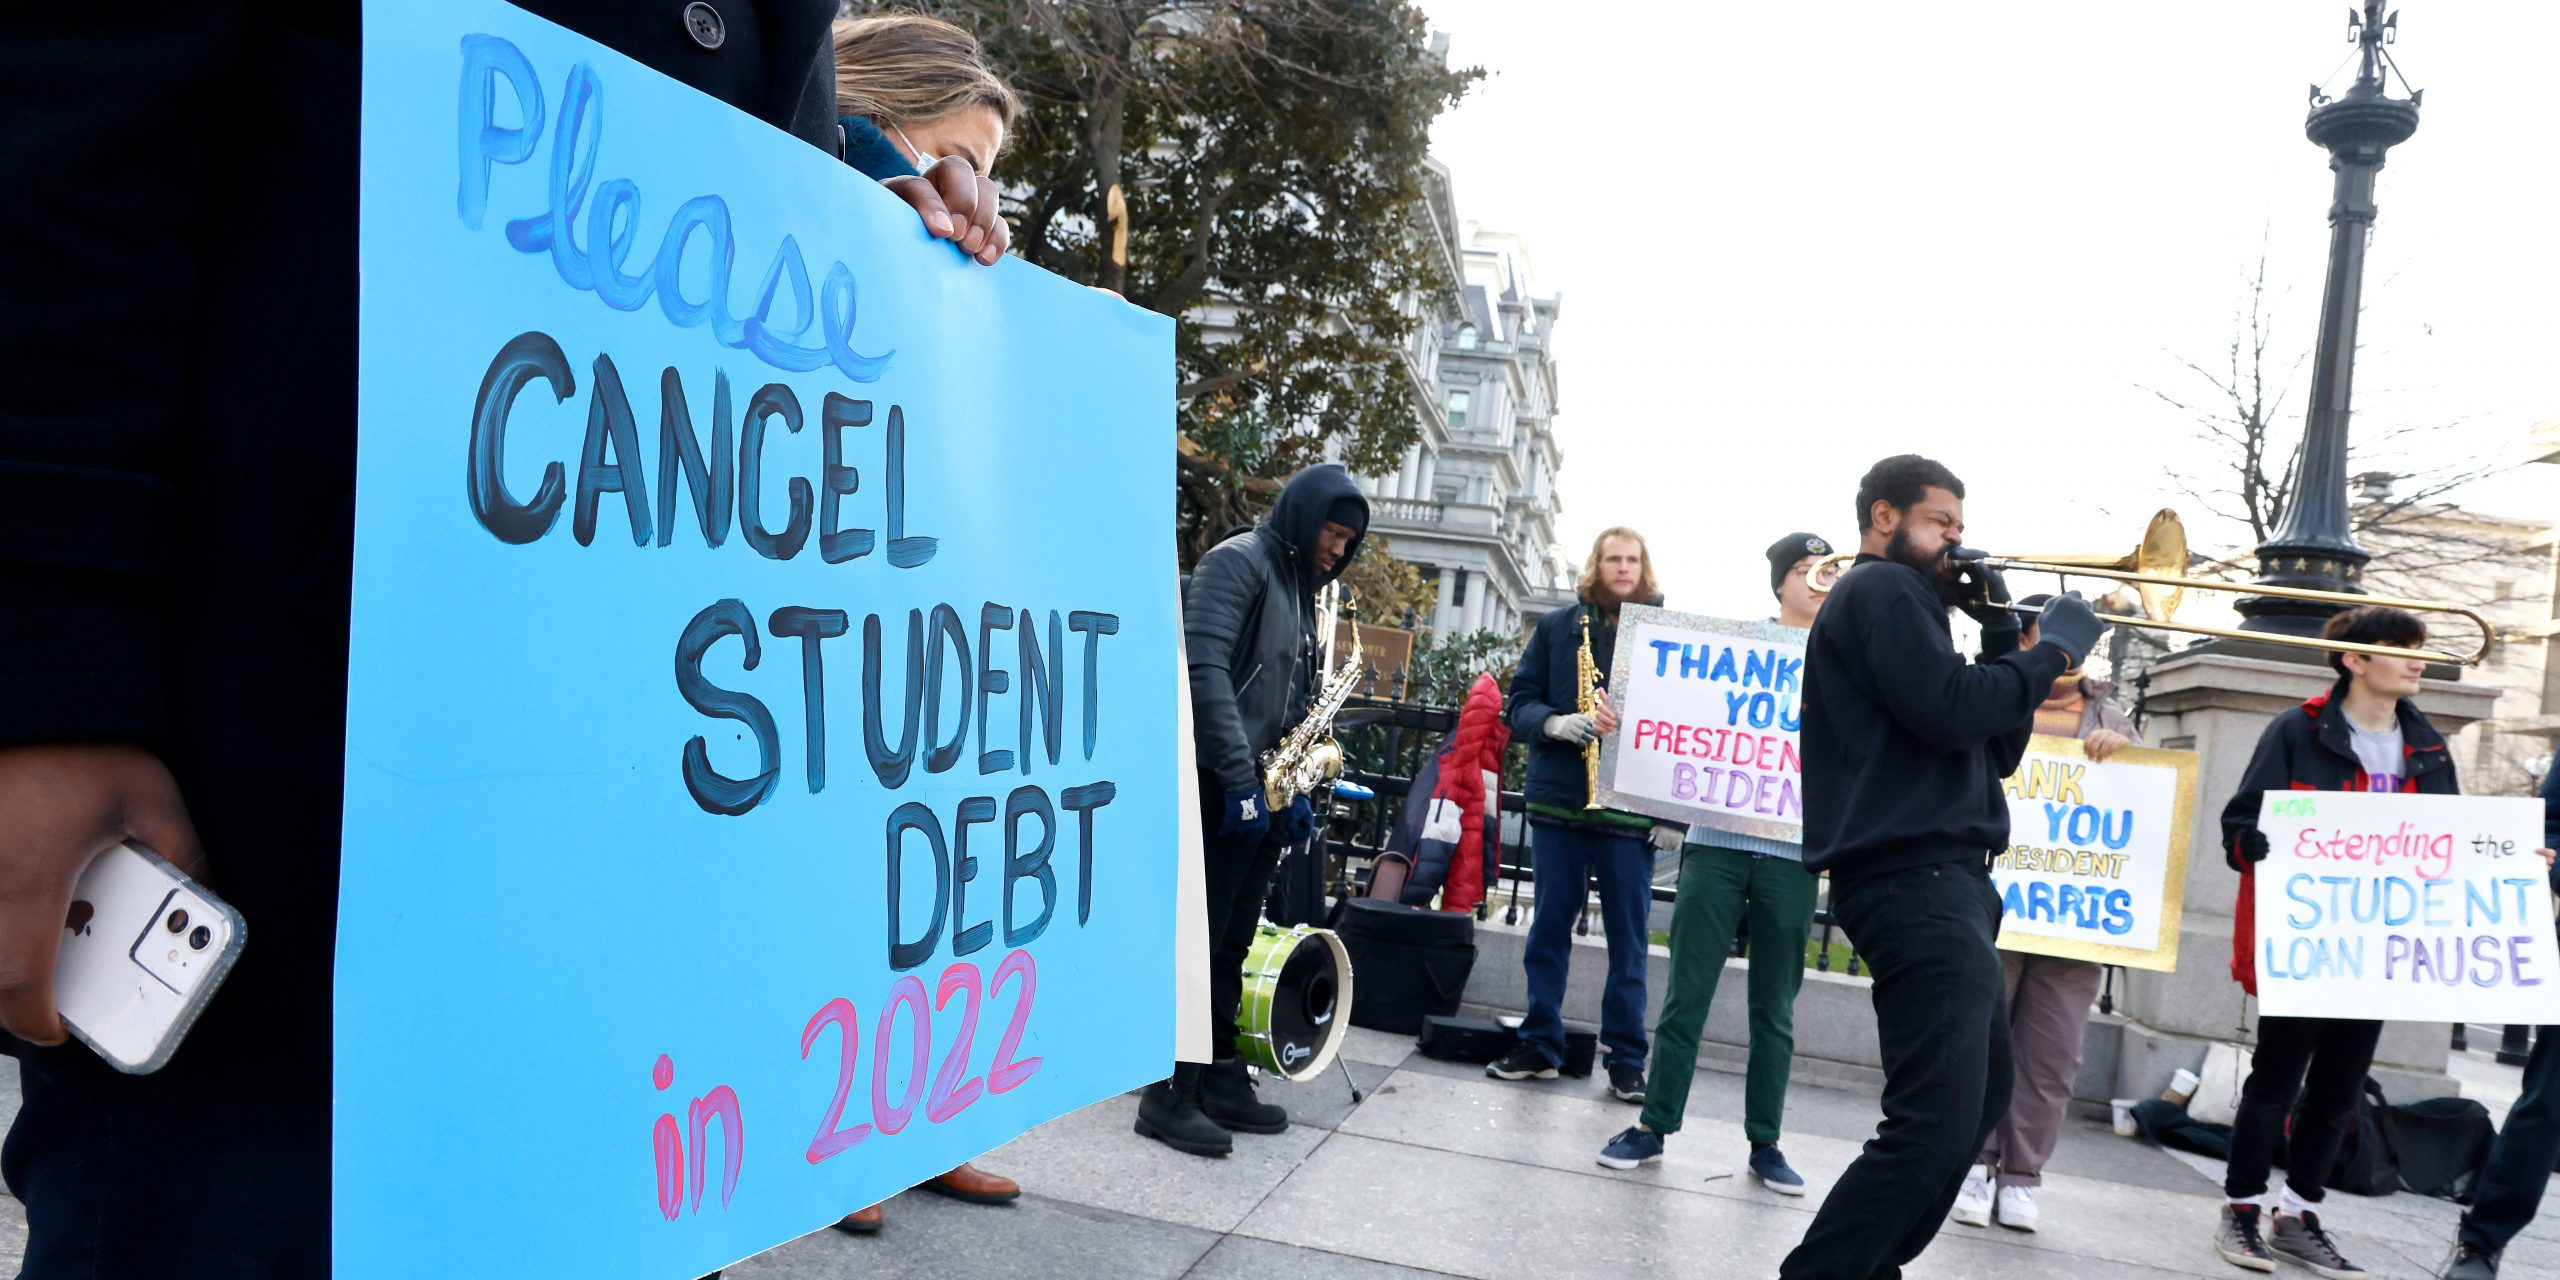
[1543, 686]
[2309, 748]
[177, 424]
[1249, 627]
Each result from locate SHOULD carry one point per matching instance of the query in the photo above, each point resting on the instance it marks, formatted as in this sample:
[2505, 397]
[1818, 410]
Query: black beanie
[1784, 553]
[1351, 512]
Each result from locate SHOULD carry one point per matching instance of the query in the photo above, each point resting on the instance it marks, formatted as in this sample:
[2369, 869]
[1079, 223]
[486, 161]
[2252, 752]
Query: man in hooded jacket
[1249, 624]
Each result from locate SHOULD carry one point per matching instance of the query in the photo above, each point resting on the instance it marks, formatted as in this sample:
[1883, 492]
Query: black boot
[1169, 1112]
[1226, 1095]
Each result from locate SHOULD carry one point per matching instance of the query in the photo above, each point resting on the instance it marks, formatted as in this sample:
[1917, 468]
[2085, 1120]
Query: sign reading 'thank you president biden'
[1709, 710]
[761, 779]
[2426, 908]
[2096, 867]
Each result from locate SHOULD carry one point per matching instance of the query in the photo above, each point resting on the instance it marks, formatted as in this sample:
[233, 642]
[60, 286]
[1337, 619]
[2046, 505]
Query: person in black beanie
[1249, 625]
[1905, 746]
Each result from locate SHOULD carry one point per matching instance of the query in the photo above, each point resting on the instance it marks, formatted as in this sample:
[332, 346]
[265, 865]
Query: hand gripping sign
[761, 780]
[2425, 908]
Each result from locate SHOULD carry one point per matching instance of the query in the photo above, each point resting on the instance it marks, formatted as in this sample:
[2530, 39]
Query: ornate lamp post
[2312, 545]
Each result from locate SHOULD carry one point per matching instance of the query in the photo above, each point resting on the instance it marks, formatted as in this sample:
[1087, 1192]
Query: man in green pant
[1726, 878]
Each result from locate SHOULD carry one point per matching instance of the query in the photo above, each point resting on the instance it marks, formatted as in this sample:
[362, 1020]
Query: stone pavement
[1441, 1171]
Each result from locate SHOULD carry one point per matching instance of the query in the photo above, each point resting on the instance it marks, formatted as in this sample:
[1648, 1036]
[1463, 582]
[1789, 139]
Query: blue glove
[1246, 819]
[1299, 822]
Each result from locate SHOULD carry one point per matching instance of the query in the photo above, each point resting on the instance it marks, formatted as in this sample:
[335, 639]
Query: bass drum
[1297, 1001]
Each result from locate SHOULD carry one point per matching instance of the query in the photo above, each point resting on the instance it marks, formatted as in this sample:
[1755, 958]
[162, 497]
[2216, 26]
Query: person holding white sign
[1905, 748]
[2364, 734]
[1725, 878]
[2049, 996]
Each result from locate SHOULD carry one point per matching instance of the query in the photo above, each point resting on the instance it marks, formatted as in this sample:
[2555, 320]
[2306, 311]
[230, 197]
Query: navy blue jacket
[1542, 686]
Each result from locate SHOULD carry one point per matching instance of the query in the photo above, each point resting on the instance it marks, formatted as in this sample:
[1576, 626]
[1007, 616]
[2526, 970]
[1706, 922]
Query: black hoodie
[1906, 743]
[1248, 622]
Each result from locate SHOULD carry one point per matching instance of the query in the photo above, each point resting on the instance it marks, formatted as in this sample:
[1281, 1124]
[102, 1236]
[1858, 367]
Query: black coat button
[703, 23]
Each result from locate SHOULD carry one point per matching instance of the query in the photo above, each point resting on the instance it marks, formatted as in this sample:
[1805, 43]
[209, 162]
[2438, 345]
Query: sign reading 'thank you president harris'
[2425, 908]
[762, 710]
[2096, 867]
[1708, 714]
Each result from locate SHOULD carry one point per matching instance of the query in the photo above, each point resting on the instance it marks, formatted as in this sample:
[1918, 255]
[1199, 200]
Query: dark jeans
[1562, 855]
[1928, 934]
[1238, 878]
[150, 1176]
[2322, 1059]
[2520, 1160]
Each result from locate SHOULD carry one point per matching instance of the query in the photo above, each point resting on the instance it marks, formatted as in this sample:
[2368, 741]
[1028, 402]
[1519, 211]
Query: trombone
[2157, 568]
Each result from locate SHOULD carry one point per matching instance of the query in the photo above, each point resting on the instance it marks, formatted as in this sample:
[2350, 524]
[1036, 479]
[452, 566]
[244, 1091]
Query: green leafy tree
[1270, 155]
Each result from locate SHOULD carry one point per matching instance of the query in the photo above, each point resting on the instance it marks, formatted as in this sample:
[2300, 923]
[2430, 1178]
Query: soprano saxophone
[1586, 700]
[1309, 758]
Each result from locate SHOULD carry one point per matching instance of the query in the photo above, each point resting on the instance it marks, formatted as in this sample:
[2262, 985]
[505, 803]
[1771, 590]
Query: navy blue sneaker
[1626, 1083]
[1771, 1169]
[1524, 1062]
[1631, 1148]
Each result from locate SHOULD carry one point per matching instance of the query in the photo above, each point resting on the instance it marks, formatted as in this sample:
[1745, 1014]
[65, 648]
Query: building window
[1458, 591]
[1458, 410]
[1444, 494]
[1466, 337]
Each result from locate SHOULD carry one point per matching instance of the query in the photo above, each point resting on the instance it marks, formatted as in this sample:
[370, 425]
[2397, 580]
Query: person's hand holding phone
[60, 806]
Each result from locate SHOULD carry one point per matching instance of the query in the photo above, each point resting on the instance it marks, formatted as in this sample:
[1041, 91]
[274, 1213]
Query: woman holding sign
[2049, 996]
[2364, 734]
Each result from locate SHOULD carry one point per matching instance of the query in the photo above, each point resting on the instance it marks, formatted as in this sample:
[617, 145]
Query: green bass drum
[1297, 1001]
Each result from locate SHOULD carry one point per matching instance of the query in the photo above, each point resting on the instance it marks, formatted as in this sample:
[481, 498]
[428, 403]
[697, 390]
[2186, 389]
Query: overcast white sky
[1794, 238]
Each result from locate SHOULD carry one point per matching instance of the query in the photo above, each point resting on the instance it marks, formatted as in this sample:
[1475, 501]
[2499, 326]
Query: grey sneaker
[2237, 1239]
[2302, 1241]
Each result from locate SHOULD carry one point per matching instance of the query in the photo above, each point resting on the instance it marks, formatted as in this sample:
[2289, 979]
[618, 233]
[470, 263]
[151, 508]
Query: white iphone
[142, 951]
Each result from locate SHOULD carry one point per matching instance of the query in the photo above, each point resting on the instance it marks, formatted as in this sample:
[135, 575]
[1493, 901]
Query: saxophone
[1586, 700]
[1309, 758]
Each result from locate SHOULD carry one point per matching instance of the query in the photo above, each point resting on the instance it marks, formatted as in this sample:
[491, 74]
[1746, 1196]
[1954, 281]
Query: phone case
[143, 950]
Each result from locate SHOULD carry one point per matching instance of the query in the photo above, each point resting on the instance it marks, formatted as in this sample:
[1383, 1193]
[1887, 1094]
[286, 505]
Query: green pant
[1716, 887]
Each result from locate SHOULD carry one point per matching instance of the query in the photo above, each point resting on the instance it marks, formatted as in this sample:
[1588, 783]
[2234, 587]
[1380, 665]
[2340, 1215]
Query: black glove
[1984, 596]
[1246, 819]
[2070, 625]
[2252, 845]
[1299, 821]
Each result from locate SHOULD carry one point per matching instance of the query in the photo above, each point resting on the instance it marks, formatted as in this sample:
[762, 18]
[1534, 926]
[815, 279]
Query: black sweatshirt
[1905, 743]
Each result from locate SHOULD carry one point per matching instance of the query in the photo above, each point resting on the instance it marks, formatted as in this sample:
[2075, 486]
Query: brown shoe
[975, 1185]
[860, 1222]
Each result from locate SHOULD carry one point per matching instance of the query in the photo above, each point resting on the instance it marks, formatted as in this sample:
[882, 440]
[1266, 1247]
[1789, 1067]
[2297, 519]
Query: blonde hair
[1646, 587]
[898, 68]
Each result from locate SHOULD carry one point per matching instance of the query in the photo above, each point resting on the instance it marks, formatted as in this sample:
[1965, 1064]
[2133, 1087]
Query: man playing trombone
[1905, 745]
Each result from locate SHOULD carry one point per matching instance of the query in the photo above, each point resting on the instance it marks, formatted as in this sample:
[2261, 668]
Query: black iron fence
[1388, 731]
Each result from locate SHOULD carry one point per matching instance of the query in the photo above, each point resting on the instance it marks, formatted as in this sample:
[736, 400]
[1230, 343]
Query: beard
[1901, 550]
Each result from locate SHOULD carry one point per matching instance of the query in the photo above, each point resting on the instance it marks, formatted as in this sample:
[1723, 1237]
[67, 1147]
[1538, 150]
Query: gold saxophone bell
[2157, 569]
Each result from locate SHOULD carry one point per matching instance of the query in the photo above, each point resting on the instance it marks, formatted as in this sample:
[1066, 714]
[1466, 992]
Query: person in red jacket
[2364, 734]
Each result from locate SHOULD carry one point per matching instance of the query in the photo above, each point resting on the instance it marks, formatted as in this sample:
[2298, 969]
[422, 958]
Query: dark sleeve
[1938, 697]
[2270, 769]
[1221, 597]
[2551, 819]
[111, 110]
[1530, 702]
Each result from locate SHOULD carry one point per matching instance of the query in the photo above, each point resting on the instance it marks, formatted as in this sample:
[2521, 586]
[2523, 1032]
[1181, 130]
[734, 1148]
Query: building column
[1441, 618]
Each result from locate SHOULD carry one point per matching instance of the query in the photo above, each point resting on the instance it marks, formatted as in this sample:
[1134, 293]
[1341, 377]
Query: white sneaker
[2018, 1208]
[1973, 1203]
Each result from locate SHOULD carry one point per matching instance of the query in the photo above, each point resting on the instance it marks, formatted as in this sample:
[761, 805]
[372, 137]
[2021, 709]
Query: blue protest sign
[760, 784]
